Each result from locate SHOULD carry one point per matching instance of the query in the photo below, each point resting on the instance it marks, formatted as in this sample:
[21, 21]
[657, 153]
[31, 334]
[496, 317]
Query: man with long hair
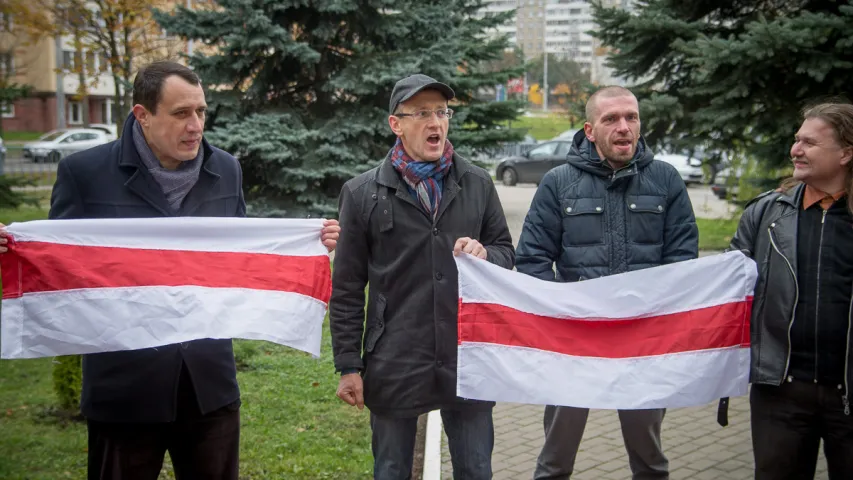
[801, 236]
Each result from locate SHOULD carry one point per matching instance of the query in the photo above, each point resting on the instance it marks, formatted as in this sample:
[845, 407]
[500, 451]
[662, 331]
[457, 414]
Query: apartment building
[49, 66]
[561, 28]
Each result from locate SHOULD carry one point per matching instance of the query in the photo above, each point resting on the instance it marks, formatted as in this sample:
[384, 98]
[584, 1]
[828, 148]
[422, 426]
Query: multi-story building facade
[561, 28]
[49, 68]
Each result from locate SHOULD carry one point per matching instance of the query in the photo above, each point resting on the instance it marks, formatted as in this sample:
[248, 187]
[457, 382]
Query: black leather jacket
[768, 233]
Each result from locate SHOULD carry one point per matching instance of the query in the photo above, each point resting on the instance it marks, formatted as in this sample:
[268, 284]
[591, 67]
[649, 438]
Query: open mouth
[434, 140]
[622, 143]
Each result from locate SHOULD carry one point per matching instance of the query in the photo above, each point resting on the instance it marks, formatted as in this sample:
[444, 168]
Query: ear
[847, 155]
[587, 129]
[394, 123]
[141, 114]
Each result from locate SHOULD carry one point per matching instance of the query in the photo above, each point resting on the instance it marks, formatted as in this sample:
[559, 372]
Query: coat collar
[142, 183]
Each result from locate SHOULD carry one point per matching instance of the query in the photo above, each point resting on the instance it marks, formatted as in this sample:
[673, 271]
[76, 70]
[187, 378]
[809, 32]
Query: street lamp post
[545, 89]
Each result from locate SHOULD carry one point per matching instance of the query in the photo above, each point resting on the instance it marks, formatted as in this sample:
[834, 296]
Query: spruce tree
[731, 75]
[299, 91]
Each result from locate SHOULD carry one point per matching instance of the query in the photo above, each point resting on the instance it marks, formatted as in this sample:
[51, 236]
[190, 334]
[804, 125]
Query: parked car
[533, 165]
[55, 145]
[690, 169]
[112, 130]
[567, 135]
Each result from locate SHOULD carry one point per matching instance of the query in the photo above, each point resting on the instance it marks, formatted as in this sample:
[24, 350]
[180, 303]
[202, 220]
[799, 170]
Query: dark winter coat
[110, 181]
[407, 352]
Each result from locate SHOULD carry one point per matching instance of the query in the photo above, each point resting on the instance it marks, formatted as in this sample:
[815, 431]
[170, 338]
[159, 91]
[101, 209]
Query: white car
[55, 145]
[690, 169]
[112, 130]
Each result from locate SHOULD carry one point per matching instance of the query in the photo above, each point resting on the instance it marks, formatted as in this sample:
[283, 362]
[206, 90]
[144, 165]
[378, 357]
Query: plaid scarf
[424, 179]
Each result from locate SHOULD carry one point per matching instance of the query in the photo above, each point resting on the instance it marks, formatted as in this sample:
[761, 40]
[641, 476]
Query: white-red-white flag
[665, 337]
[87, 286]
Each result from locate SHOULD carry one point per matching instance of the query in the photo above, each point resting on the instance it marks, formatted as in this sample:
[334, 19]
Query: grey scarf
[176, 184]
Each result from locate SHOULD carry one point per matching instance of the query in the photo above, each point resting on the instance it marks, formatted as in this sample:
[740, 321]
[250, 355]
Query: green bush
[67, 382]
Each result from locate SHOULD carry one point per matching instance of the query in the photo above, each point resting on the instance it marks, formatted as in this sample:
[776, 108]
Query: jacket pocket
[375, 325]
[646, 219]
[583, 221]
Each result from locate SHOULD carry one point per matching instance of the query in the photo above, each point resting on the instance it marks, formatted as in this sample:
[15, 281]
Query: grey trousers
[564, 428]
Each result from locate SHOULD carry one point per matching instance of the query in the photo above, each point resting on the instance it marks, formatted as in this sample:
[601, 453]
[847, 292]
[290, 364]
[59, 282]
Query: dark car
[533, 165]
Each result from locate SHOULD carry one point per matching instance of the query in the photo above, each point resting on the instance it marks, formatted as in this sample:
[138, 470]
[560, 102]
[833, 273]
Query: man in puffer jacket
[611, 209]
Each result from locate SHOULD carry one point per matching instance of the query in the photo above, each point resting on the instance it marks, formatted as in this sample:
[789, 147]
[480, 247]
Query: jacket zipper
[796, 296]
[817, 294]
[845, 399]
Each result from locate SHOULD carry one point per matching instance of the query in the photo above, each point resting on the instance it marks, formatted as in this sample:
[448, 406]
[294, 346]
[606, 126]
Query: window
[107, 112]
[104, 63]
[75, 113]
[68, 59]
[544, 151]
[6, 22]
[7, 109]
[7, 64]
[90, 63]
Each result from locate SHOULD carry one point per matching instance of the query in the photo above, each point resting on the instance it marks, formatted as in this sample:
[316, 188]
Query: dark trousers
[470, 439]
[203, 447]
[564, 428]
[788, 423]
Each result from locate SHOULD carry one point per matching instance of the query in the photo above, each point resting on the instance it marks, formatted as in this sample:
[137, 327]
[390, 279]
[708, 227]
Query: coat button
[597, 209]
[435, 231]
[568, 209]
[633, 206]
[185, 345]
[439, 363]
[660, 208]
[438, 276]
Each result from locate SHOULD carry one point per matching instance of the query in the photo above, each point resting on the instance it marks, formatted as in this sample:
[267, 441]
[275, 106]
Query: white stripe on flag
[205, 234]
[112, 319]
[666, 289]
[526, 375]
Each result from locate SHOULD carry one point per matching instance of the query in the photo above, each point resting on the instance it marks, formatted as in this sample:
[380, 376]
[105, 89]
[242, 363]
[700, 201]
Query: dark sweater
[825, 278]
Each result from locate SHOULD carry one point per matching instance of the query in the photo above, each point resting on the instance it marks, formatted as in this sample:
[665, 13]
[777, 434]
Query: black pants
[203, 447]
[788, 423]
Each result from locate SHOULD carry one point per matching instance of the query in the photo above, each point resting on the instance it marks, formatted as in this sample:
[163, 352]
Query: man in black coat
[612, 209]
[182, 398]
[401, 224]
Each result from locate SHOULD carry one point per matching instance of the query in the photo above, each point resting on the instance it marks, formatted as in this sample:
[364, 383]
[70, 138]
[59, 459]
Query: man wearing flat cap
[401, 225]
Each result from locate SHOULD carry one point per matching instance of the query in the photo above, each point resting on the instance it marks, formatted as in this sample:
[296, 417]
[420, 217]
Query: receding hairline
[612, 91]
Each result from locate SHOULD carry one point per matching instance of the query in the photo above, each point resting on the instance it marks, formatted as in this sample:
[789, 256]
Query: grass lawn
[544, 127]
[21, 136]
[716, 234]
[293, 426]
[27, 213]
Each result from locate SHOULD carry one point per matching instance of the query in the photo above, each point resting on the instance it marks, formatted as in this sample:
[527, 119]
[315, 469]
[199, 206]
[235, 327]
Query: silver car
[55, 145]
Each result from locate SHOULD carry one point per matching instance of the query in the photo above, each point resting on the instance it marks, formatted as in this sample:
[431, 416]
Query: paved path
[697, 447]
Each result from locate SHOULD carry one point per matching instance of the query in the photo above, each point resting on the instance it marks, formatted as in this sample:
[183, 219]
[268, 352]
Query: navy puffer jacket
[592, 221]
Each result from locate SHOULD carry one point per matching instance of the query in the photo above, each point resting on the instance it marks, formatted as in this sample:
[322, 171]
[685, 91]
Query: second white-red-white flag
[87, 286]
[665, 337]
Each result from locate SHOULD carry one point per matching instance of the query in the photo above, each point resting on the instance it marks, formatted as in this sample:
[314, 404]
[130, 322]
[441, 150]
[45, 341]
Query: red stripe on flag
[31, 267]
[720, 326]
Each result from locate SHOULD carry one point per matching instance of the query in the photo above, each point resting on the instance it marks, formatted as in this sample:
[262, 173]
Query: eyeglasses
[422, 115]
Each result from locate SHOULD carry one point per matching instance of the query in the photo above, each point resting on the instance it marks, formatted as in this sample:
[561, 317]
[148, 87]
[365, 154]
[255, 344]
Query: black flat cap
[410, 86]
